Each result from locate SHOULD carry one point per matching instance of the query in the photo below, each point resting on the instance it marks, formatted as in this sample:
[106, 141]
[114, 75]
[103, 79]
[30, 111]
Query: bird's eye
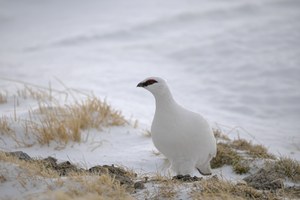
[150, 82]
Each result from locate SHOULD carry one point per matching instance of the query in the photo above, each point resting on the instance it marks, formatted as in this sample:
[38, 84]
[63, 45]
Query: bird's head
[154, 85]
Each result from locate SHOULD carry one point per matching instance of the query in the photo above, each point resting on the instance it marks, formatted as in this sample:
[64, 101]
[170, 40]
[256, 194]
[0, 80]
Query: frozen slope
[236, 62]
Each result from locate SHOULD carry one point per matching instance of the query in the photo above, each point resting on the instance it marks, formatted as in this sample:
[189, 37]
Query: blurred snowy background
[236, 62]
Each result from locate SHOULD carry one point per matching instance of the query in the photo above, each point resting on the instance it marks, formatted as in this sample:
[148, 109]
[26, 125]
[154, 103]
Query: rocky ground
[265, 183]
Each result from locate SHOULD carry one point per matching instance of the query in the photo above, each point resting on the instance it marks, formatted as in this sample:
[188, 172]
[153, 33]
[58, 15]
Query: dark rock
[214, 177]
[2, 179]
[63, 168]
[139, 185]
[178, 177]
[118, 173]
[265, 180]
[21, 155]
[115, 170]
[124, 180]
[187, 178]
[99, 170]
[50, 162]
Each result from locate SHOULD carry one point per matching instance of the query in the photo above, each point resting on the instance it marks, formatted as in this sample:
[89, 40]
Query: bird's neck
[164, 100]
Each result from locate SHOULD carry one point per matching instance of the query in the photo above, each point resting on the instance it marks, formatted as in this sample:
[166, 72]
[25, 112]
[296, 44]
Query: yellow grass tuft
[53, 121]
[38, 94]
[77, 185]
[167, 190]
[91, 188]
[5, 128]
[219, 135]
[34, 167]
[286, 167]
[226, 155]
[255, 150]
[237, 153]
[220, 189]
[3, 98]
[164, 187]
[65, 124]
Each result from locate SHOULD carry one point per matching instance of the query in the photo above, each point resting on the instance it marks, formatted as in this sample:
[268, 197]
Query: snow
[235, 62]
[20, 183]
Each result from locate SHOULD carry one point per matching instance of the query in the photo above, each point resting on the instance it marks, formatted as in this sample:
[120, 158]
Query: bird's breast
[180, 135]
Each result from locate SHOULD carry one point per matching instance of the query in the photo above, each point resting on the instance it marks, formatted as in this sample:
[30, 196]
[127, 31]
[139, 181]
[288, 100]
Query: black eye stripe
[150, 82]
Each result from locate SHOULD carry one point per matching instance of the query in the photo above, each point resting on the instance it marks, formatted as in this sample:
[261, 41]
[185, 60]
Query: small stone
[65, 167]
[146, 178]
[50, 162]
[2, 179]
[116, 172]
[50, 159]
[139, 185]
[215, 178]
[179, 177]
[21, 155]
[241, 183]
[195, 178]
[98, 170]
[187, 178]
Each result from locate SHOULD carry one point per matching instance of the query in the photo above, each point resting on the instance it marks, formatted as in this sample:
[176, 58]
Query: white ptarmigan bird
[183, 136]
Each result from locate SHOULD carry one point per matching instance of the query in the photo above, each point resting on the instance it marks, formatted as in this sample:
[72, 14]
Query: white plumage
[183, 136]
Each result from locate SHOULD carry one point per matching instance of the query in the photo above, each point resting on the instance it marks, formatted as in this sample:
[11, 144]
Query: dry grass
[78, 185]
[65, 124]
[220, 189]
[286, 167]
[220, 136]
[61, 123]
[5, 128]
[35, 168]
[3, 97]
[255, 150]
[90, 188]
[238, 153]
[86, 185]
[214, 188]
[35, 93]
[166, 190]
[226, 155]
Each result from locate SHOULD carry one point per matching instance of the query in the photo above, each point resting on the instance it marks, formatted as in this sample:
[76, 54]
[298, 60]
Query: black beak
[141, 84]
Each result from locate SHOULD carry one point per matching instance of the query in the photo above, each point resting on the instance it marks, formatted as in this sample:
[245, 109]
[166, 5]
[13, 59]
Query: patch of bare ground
[237, 153]
[112, 182]
[99, 182]
[274, 173]
[220, 189]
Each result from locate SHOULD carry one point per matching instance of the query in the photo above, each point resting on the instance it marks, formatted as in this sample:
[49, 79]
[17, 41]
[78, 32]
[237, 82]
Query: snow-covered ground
[235, 62]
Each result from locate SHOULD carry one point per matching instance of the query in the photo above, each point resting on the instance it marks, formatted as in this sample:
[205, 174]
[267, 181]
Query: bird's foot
[187, 178]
